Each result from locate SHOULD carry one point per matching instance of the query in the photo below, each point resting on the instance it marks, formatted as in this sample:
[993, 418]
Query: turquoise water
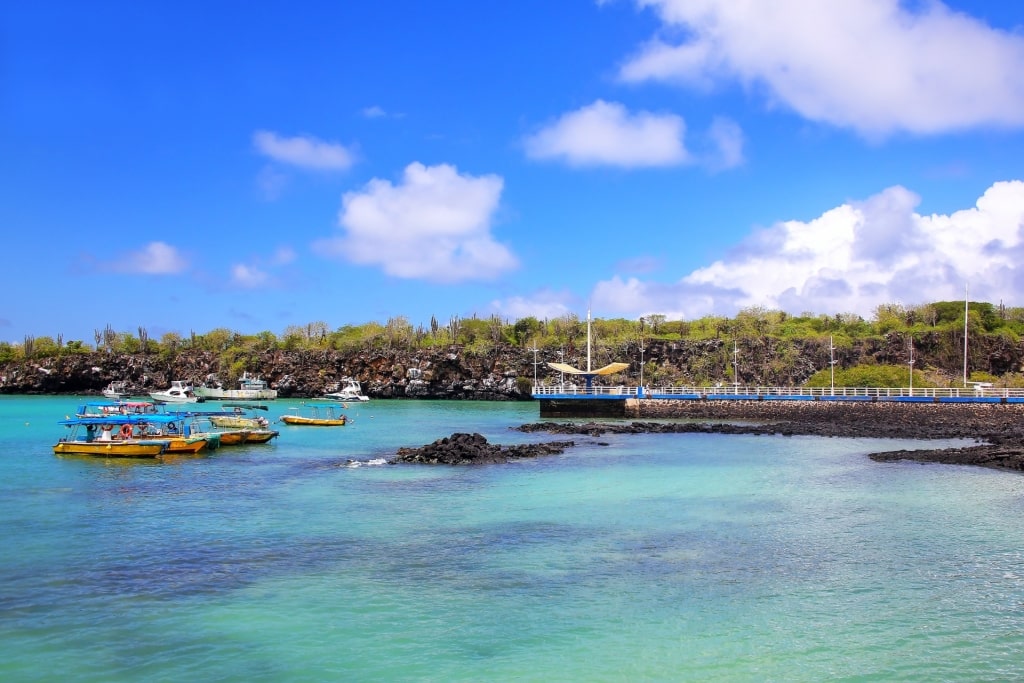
[650, 557]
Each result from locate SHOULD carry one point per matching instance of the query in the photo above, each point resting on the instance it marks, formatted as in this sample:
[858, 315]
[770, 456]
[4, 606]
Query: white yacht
[178, 392]
[250, 388]
[348, 390]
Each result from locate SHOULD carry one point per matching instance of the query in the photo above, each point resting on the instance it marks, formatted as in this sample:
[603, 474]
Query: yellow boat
[328, 418]
[130, 436]
[111, 449]
[261, 435]
[228, 435]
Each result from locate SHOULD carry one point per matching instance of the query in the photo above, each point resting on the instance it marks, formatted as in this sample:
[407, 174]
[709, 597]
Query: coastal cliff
[498, 371]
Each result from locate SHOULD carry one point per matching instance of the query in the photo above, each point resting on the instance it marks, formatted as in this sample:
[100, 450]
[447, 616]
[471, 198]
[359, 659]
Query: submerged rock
[473, 449]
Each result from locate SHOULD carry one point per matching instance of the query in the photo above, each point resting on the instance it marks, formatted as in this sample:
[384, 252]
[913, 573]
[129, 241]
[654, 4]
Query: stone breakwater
[999, 428]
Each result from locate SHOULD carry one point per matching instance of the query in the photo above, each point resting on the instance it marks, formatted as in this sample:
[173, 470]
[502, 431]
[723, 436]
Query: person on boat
[105, 433]
[90, 433]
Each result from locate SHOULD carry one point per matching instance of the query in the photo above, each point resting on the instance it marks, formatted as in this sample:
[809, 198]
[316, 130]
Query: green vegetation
[771, 341]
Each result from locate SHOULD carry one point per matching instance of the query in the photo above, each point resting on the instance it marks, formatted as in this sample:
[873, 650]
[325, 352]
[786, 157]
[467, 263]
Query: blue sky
[257, 166]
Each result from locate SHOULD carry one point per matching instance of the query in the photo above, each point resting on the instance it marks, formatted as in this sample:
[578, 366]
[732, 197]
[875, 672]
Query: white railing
[734, 390]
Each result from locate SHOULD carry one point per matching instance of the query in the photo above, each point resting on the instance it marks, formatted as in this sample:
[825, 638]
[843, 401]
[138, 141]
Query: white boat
[178, 392]
[348, 390]
[116, 390]
[250, 388]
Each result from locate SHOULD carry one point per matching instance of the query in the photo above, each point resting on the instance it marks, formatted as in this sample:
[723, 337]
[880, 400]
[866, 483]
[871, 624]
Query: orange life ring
[126, 431]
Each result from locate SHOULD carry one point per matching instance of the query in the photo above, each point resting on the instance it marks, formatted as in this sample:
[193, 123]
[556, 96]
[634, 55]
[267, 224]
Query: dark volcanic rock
[997, 457]
[1000, 427]
[473, 449]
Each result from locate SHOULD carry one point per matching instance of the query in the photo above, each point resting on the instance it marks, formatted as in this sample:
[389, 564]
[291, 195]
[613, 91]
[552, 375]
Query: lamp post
[535, 350]
[911, 366]
[832, 363]
[641, 362]
[735, 367]
[966, 313]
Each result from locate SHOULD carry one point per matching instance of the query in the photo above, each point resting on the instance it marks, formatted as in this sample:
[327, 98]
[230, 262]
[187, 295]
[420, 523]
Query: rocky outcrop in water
[473, 449]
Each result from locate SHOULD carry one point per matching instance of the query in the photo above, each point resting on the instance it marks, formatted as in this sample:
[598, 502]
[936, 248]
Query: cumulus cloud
[155, 258]
[874, 66]
[261, 271]
[283, 256]
[726, 138]
[850, 259]
[303, 151]
[248, 277]
[544, 304]
[377, 112]
[434, 225]
[606, 134]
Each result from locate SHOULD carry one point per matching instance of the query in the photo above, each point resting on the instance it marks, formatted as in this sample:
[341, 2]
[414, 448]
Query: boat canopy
[132, 419]
[609, 369]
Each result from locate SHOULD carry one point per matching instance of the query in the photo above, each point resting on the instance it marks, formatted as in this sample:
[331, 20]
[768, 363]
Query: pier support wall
[583, 407]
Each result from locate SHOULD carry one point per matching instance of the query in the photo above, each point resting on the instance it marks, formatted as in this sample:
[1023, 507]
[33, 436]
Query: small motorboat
[348, 390]
[316, 417]
[178, 392]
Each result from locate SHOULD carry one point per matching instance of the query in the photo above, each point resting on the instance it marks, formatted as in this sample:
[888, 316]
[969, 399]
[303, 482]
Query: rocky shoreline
[998, 428]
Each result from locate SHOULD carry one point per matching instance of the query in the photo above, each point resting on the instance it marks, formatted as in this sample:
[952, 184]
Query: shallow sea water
[644, 557]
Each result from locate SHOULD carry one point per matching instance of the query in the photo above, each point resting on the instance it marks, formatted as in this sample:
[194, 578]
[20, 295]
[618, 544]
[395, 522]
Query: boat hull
[261, 435]
[112, 449]
[313, 421]
[214, 394]
[232, 422]
[186, 444]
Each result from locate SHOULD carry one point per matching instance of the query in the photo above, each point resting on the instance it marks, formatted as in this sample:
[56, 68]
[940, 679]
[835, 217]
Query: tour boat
[108, 437]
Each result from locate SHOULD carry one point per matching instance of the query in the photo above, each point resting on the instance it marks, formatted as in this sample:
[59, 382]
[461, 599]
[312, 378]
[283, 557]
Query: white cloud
[851, 259]
[156, 258]
[435, 225]
[727, 145]
[271, 183]
[605, 133]
[543, 305]
[303, 151]
[283, 256]
[377, 112]
[875, 66]
[249, 277]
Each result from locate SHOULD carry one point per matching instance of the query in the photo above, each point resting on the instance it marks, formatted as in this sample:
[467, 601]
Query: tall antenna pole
[966, 313]
[588, 339]
[832, 363]
[735, 365]
[911, 366]
[535, 363]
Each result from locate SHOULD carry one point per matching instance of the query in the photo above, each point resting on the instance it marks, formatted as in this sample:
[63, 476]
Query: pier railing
[739, 391]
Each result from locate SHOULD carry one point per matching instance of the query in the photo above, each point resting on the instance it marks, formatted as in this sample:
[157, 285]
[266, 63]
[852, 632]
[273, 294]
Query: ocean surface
[648, 557]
